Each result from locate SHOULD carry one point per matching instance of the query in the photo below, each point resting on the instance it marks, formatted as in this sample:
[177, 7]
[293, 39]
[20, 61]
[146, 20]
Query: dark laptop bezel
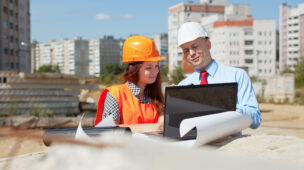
[196, 86]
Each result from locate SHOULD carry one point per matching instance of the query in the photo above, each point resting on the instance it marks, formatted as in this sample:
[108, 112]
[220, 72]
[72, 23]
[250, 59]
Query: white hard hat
[190, 31]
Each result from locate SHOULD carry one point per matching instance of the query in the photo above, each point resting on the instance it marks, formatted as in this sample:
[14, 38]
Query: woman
[139, 100]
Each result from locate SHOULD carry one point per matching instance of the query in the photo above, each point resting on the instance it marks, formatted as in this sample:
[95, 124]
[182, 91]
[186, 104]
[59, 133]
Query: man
[195, 44]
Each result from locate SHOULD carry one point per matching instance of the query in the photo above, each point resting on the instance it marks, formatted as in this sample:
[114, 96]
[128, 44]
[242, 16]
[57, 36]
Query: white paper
[80, 134]
[215, 126]
[107, 122]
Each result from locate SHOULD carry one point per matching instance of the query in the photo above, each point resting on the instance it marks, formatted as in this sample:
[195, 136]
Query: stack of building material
[41, 94]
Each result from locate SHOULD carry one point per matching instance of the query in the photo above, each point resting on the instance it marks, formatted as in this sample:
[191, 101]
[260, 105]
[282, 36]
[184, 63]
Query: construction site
[33, 103]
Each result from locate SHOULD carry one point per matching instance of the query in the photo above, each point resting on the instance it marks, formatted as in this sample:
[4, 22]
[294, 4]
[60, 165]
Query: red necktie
[204, 75]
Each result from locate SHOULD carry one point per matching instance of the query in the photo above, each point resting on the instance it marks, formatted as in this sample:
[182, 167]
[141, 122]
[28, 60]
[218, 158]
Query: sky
[59, 19]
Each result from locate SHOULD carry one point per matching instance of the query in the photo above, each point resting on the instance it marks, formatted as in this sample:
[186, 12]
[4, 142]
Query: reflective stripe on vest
[131, 110]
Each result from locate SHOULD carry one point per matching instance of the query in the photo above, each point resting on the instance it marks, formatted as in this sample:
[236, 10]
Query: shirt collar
[134, 88]
[211, 69]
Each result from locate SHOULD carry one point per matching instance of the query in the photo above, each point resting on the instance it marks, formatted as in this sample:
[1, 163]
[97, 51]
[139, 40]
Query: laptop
[182, 102]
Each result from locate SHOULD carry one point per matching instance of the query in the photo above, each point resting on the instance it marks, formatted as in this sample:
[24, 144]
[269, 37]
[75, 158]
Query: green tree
[177, 75]
[253, 79]
[48, 69]
[164, 73]
[112, 68]
[299, 73]
[112, 73]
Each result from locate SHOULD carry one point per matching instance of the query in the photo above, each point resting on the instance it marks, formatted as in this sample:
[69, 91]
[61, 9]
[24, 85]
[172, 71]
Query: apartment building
[161, 42]
[104, 51]
[15, 35]
[291, 36]
[237, 40]
[71, 56]
[248, 44]
[185, 12]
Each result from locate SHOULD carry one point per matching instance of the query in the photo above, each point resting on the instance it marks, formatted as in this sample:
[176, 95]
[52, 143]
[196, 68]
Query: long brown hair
[154, 90]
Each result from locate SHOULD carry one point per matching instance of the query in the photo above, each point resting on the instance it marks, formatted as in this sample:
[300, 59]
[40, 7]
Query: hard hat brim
[159, 58]
[156, 58]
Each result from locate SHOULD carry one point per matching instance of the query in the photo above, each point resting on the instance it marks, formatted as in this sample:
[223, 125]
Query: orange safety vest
[131, 110]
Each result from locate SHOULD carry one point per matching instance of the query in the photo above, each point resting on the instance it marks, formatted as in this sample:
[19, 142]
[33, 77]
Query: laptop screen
[183, 102]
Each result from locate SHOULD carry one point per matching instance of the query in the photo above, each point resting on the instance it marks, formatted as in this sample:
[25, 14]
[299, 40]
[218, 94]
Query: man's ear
[208, 44]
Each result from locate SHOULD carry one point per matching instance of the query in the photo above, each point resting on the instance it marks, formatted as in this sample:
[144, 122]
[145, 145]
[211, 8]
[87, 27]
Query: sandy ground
[282, 120]
[10, 146]
[285, 120]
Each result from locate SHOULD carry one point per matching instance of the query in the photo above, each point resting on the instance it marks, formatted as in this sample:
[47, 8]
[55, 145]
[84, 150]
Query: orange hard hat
[140, 48]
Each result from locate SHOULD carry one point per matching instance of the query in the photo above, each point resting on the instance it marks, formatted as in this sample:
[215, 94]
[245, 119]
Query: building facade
[71, 56]
[15, 35]
[237, 40]
[161, 42]
[104, 51]
[185, 12]
[291, 36]
[248, 44]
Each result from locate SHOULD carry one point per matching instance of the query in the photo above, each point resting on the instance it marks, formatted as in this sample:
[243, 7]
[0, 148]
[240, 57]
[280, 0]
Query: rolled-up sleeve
[246, 100]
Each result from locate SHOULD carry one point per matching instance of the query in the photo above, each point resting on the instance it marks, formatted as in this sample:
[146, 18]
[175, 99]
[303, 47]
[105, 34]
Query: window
[12, 52]
[248, 33]
[248, 42]
[5, 10]
[11, 26]
[248, 52]
[5, 51]
[248, 61]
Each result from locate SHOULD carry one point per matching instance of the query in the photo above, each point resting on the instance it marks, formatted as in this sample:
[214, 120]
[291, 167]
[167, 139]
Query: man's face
[197, 53]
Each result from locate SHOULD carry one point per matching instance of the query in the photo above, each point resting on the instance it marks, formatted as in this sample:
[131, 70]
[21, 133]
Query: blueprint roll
[215, 126]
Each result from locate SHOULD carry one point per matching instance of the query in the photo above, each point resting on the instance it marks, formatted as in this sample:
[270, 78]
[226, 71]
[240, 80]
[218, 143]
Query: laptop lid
[183, 102]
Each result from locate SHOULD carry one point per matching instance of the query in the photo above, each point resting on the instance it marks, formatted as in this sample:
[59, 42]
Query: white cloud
[127, 16]
[102, 16]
